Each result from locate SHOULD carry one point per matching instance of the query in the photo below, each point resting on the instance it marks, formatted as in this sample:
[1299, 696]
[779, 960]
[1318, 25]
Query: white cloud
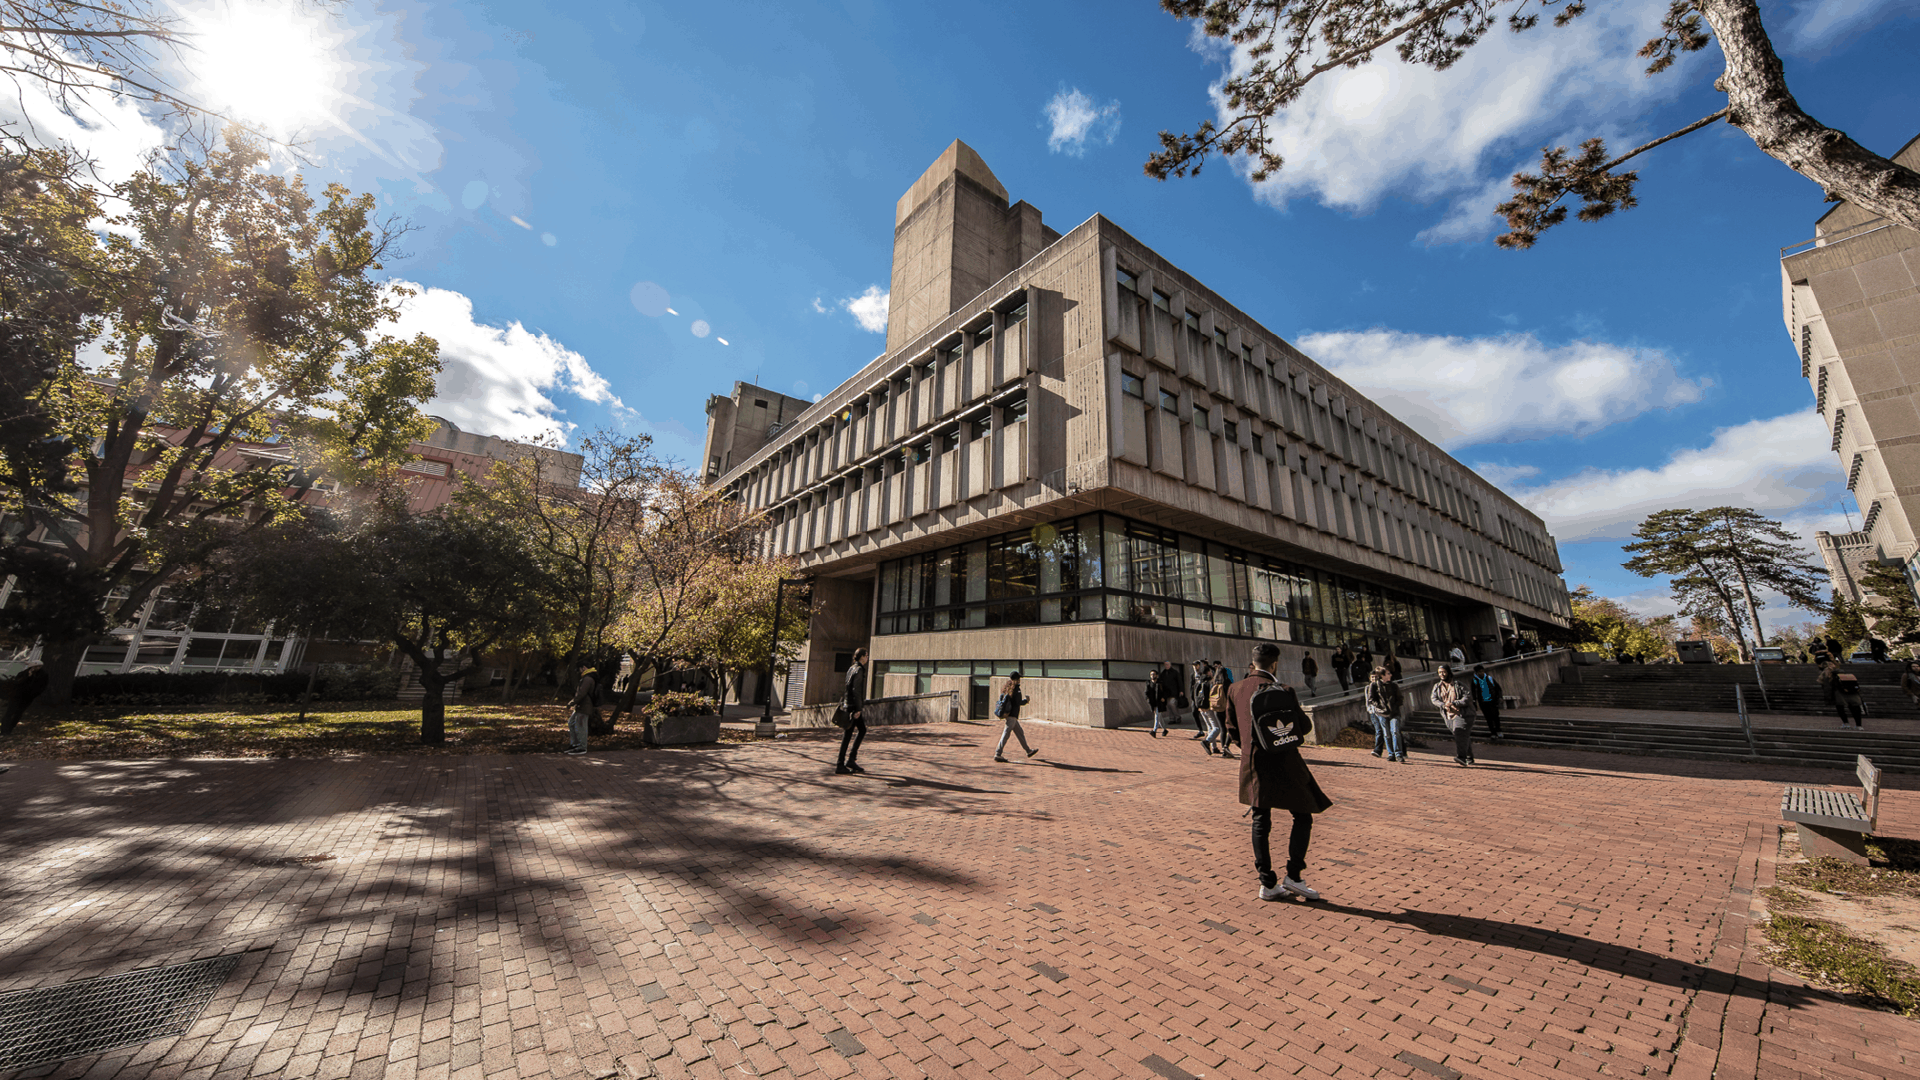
[1391, 128]
[109, 129]
[1777, 466]
[820, 307]
[496, 380]
[1502, 475]
[1461, 391]
[1816, 25]
[1077, 120]
[869, 309]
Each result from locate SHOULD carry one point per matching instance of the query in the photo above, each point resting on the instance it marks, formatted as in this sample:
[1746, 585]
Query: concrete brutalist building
[1851, 300]
[1076, 460]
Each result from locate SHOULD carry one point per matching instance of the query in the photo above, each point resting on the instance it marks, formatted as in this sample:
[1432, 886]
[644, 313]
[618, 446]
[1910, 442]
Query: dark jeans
[1463, 739]
[1849, 703]
[1491, 713]
[850, 742]
[1296, 845]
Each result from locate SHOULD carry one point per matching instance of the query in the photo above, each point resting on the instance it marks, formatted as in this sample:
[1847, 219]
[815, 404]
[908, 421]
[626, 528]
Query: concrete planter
[681, 730]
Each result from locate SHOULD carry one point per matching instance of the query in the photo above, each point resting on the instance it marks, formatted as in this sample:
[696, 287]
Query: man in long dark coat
[1276, 779]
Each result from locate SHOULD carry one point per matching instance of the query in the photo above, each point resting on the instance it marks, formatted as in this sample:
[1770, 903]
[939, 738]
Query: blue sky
[593, 186]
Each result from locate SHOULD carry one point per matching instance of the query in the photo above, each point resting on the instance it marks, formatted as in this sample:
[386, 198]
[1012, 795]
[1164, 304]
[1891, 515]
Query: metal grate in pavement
[53, 1023]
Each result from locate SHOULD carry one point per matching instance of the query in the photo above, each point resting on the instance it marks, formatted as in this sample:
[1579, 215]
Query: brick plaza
[739, 911]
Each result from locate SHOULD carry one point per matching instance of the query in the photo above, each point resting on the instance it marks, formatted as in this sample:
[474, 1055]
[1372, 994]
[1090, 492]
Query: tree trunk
[306, 698]
[1763, 107]
[62, 660]
[433, 708]
[506, 688]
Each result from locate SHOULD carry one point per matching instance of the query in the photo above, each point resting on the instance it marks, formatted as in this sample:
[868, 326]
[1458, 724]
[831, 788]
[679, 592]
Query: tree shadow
[1621, 960]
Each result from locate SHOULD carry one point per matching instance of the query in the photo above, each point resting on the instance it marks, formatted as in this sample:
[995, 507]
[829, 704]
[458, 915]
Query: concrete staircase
[1791, 689]
[1795, 746]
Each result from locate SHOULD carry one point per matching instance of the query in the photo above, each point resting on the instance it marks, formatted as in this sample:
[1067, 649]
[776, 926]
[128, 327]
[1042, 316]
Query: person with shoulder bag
[1455, 703]
[586, 712]
[1383, 705]
[852, 716]
[1008, 710]
[1273, 775]
[1221, 684]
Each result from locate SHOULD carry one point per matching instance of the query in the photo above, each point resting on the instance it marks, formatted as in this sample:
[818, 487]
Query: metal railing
[1848, 233]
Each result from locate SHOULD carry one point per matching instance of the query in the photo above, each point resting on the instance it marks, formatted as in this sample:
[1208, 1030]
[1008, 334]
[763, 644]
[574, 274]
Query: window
[1232, 431]
[1016, 410]
[1258, 448]
[1131, 386]
[982, 425]
[759, 403]
[1161, 301]
[1220, 337]
[1127, 281]
[1246, 353]
[1200, 418]
[1193, 322]
[918, 453]
[1015, 315]
[985, 333]
[439, 468]
[1170, 401]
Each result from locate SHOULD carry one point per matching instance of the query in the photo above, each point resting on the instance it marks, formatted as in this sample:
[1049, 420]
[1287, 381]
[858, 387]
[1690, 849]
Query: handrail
[1848, 233]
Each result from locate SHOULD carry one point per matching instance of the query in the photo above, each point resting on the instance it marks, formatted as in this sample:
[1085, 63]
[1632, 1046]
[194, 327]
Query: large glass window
[1107, 567]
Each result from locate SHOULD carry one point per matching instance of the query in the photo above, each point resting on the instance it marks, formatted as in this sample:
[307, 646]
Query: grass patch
[1882, 878]
[1783, 899]
[1828, 954]
[274, 731]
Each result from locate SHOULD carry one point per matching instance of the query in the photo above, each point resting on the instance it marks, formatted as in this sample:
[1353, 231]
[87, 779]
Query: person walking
[1384, 703]
[1163, 691]
[1342, 662]
[1202, 685]
[1008, 710]
[1309, 671]
[1457, 655]
[1273, 776]
[1393, 665]
[586, 712]
[1486, 695]
[1846, 699]
[853, 703]
[1362, 669]
[1455, 703]
[1221, 680]
[1910, 681]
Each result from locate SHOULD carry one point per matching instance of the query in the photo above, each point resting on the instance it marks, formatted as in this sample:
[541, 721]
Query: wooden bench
[1835, 823]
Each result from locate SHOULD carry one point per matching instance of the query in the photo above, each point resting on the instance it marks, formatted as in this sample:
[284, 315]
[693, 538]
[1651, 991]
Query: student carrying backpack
[1273, 775]
[1007, 709]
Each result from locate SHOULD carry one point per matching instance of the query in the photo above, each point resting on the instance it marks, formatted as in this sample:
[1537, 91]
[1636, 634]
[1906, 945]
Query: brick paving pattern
[740, 911]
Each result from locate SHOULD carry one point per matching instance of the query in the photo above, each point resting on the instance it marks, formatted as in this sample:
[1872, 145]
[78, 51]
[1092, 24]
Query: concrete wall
[880, 712]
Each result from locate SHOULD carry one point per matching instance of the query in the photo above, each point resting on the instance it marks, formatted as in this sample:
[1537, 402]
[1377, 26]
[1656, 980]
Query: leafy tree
[1846, 623]
[1606, 626]
[1715, 559]
[240, 326]
[731, 629]
[686, 556]
[587, 528]
[1890, 603]
[1289, 43]
[442, 588]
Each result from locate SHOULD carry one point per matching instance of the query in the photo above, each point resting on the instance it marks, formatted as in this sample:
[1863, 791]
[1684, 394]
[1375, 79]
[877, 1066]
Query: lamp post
[765, 726]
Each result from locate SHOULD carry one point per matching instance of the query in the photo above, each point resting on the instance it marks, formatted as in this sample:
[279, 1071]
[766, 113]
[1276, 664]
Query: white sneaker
[1299, 888]
[1273, 892]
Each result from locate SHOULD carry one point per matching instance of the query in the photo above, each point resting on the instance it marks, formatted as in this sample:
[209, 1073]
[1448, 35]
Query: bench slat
[1819, 806]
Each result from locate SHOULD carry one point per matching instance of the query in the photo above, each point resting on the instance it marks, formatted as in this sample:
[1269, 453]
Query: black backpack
[1277, 719]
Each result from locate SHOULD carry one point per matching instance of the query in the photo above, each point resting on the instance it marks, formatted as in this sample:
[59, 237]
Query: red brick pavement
[741, 912]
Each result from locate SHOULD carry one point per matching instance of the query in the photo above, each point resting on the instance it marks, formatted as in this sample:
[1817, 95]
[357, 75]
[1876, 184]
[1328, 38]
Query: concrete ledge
[935, 708]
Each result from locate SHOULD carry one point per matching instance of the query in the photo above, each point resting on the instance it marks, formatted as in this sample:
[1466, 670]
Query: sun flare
[278, 66]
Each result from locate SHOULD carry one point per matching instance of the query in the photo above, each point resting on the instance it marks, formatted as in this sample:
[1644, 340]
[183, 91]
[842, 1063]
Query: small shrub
[336, 682]
[679, 703]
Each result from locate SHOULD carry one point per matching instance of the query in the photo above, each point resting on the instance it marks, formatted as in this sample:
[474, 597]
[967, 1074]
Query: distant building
[741, 424]
[1851, 299]
[170, 634]
[1076, 460]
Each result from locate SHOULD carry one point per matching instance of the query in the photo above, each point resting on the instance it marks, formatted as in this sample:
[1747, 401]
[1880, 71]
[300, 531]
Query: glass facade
[1105, 567]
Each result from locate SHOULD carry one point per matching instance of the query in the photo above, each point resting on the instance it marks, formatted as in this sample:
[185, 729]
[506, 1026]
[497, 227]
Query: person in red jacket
[1275, 778]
